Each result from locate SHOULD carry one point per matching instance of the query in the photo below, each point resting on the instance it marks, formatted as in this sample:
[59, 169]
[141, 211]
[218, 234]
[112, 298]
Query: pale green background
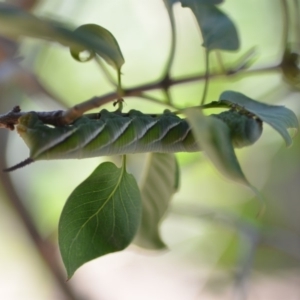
[199, 250]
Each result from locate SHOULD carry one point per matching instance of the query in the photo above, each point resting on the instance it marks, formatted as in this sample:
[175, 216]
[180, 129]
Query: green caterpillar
[115, 133]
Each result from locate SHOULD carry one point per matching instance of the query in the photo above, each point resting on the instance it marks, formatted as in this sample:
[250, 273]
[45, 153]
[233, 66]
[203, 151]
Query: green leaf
[101, 216]
[16, 23]
[213, 136]
[279, 117]
[158, 184]
[218, 31]
[105, 40]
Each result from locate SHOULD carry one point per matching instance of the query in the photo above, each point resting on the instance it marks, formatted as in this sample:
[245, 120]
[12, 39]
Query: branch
[77, 110]
[60, 117]
[10, 119]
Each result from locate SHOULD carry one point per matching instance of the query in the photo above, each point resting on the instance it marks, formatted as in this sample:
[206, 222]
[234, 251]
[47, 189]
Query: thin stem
[124, 162]
[105, 71]
[245, 60]
[297, 21]
[120, 89]
[173, 41]
[285, 17]
[248, 247]
[220, 61]
[168, 97]
[206, 77]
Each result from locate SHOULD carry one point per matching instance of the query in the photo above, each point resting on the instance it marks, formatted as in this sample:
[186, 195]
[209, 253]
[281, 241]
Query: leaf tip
[70, 275]
[261, 211]
[262, 202]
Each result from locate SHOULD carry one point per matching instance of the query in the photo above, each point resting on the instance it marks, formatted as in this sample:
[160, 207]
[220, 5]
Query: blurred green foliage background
[216, 243]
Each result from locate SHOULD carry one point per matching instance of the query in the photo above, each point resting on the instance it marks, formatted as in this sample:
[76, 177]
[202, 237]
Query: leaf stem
[220, 61]
[206, 77]
[124, 162]
[168, 97]
[108, 76]
[173, 41]
[297, 22]
[120, 91]
[285, 23]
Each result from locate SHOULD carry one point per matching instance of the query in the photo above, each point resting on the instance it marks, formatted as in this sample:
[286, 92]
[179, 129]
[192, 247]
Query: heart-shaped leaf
[158, 184]
[218, 31]
[101, 216]
[279, 117]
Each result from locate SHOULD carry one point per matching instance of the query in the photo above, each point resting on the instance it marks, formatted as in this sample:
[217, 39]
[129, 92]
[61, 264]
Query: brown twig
[76, 111]
[60, 117]
[10, 119]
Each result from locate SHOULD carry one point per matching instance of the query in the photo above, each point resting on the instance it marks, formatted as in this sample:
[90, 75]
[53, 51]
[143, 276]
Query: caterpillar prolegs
[116, 133]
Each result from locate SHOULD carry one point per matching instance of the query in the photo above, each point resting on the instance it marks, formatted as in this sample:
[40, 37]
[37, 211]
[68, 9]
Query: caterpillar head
[244, 130]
